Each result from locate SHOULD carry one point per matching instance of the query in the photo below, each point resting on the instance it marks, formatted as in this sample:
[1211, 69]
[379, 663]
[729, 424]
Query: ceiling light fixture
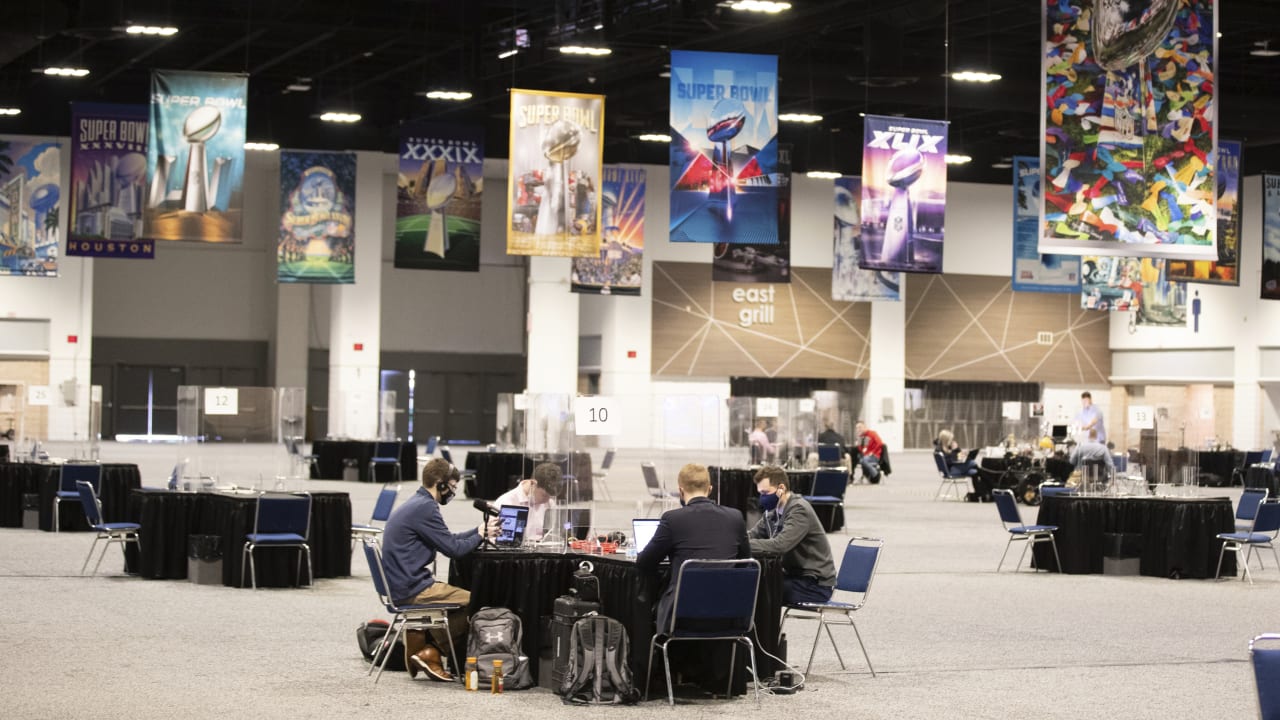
[759, 6]
[64, 71]
[340, 117]
[1002, 165]
[806, 118]
[507, 53]
[654, 137]
[958, 159]
[456, 95]
[592, 50]
[975, 76]
[10, 111]
[822, 174]
[161, 30]
[261, 146]
[1263, 49]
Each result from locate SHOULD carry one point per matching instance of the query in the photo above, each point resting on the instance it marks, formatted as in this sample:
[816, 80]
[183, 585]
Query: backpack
[371, 635]
[497, 634]
[598, 672]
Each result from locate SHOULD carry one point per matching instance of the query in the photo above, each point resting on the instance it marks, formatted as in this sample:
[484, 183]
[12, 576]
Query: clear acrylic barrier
[687, 429]
[387, 416]
[549, 437]
[209, 416]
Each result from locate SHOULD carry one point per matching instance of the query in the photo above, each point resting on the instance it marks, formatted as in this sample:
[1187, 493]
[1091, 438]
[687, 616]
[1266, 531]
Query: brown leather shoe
[428, 659]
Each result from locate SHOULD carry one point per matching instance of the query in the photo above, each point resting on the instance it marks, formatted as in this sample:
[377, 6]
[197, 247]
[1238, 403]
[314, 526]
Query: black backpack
[371, 635]
[599, 673]
[497, 634]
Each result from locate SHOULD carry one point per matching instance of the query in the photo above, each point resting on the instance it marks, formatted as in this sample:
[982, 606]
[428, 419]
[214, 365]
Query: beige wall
[24, 373]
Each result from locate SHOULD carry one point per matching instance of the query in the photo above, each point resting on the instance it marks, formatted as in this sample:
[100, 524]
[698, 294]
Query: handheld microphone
[485, 506]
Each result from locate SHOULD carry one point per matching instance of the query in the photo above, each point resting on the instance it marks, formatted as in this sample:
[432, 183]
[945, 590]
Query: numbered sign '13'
[595, 415]
[1142, 417]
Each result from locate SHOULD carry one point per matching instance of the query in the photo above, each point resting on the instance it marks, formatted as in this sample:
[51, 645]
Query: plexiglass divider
[218, 415]
[687, 429]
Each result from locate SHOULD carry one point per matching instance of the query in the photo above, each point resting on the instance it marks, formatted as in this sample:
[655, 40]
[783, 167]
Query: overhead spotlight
[958, 159]
[340, 117]
[758, 6]
[822, 174]
[592, 50]
[507, 53]
[299, 85]
[664, 74]
[1002, 165]
[261, 146]
[1263, 49]
[975, 76]
[10, 111]
[598, 26]
[161, 30]
[64, 71]
[654, 137]
[455, 95]
[806, 118]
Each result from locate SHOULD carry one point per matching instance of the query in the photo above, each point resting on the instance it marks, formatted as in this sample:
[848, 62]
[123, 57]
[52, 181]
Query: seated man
[829, 436]
[1092, 452]
[869, 448]
[790, 528]
[537, 493]
[414, 533]
[761, 447]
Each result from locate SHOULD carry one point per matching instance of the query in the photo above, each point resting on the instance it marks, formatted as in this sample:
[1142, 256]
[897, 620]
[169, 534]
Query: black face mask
[446, 495]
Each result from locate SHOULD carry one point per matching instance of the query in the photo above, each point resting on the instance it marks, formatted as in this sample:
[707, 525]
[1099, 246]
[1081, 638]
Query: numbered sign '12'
[595, 415]
[221, 401]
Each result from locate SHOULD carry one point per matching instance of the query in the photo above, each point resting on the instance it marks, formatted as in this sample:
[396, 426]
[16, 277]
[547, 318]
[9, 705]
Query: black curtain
[970, 410]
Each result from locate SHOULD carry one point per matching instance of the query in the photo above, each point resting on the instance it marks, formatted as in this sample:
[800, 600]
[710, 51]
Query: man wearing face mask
[790, 528]
[414, 533]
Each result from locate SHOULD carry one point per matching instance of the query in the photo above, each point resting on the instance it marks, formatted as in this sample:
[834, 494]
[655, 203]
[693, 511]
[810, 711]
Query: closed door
[429, 404]
[466, 406]
[147, 399]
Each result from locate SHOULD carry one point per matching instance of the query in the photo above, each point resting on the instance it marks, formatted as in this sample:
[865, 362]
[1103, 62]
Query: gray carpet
[949, 637]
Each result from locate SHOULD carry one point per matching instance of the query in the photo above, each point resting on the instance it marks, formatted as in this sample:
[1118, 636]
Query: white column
[552, 327]
[882, 406]
[1246, 431]
[291, 340]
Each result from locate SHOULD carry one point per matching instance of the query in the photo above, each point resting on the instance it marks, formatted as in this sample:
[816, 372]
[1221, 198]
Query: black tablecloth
[1260, 476]
[1178, 534]
[498, 472]
[331, 453]
[169, 518]
[529, 583]
[736, 488]
[17, 479]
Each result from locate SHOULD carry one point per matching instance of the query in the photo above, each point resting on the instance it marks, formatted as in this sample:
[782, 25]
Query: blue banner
[849, 282]
[1033, 272]
[904, 194]
[108, 181]
[317, 218]
[617, 271]
[30, 172]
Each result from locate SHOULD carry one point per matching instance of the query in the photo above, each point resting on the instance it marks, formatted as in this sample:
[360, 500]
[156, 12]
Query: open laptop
[642, 531]
[512, 520]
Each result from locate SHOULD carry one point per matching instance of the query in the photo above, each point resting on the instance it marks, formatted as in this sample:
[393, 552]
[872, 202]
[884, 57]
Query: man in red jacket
[869, 448]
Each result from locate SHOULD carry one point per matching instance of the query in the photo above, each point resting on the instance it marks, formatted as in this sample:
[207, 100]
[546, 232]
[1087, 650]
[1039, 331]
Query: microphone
[485, 506]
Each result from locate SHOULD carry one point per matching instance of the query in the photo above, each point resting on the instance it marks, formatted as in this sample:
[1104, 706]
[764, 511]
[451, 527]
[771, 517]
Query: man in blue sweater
[414, 533]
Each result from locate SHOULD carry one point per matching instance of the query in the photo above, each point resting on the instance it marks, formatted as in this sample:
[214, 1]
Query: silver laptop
[642, 531]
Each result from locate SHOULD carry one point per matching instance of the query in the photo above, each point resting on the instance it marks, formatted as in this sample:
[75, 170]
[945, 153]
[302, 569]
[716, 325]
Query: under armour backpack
[497, 634]
[599, 672]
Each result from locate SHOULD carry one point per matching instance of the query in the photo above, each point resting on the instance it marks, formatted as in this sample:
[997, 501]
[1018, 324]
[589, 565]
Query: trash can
[1121, 553]
[351, 469]
[204, 559]
[31, 511]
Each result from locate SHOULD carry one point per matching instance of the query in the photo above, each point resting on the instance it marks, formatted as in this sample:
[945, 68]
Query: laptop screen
[512, 520]
[642, 530]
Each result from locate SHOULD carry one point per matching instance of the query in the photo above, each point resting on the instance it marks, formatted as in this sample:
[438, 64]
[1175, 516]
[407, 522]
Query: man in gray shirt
[790, 528]
[1092, 452]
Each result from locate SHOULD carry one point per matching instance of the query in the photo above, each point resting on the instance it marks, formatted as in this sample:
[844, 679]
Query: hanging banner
[1129, 128]
[1033, 272]
[195, 156]
[317, 218]
[904, 194]
[1225, 270]
[617, 270]
[744, 263]
[438, 190]
[553, 178]
[724, 151]
[849, 282]
[1141, 285]
[108, 181]
[30, 175]
[1271, 237]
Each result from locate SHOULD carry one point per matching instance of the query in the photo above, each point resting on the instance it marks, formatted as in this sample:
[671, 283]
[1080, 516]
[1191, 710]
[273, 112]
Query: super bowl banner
[317, 218]
[30, 175]
[1129, 119]
[849, 282]
[1225, 270]
[617, 270]
[195, 156]
[1141, 285]
[108, 181]
[553, 180]
[1033, 272]
[768, 263]
[904, 194]
[724, 151]
[1271, 237]
[439, 184]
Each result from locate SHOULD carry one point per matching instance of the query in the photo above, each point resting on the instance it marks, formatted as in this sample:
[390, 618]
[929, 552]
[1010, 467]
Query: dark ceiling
[837, 59]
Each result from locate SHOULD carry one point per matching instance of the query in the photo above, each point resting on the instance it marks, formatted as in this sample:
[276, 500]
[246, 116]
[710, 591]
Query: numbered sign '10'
[221, 401]
[596, 415]
[1142, 417]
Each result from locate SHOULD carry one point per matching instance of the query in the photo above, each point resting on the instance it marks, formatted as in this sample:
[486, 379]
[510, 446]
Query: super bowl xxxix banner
[1033, 272]
[439, 183]
[553, 180]
[617, 269]
[849, 282]
[30, 172]
[1226, 269]
[904, 193]
[108, 181]
[317, 218]
[195, 156]
[1129, 117]
[724, 151]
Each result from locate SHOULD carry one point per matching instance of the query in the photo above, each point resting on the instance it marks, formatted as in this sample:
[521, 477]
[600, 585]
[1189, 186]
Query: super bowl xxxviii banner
[617, 269]
[1226, 269]
[849, 282]
[195, 156]
[439, 182]
[1271, 237]
[724, 151]
[108, 181]
[1140, 285]
[904, 194]
[317, 218]
[553, 180]
[30, 173]
[1033, 272]
[1129, 117]
[767, 263]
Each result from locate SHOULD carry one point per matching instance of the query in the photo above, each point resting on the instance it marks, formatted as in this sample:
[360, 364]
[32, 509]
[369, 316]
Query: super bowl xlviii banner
[1033, 272]
[439, 184]
[30, 173]
[904, 194]
[1226, 269]
[617, 270]
[1129, 121]
[724, 152]
[849, 282]
[317, 218]
[195, 156]
[553, 181]
[761, 263]
[108, 181]
[1271, 237]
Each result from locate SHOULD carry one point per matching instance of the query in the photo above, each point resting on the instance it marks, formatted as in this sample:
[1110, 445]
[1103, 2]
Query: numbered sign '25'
[595, 415]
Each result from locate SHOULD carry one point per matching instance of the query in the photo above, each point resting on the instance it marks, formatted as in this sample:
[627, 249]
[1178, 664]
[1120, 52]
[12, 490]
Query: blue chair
[598, 476]
[281, 520]
[448, 456]
[1247, 508]
[1266, 675]
[1266, 456]
[385, 453]
[1032, 534]
[857, 570]
[828, 491]
[1251, 458]
[432, 443]
[431, 616]
[1266, 526]
[118, 532]
[381, 511]
[955, 475]
[714, 600]
[829, 455]
[70, 476]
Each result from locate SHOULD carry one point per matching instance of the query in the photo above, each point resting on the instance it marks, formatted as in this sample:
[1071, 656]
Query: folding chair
[956, 476]
[857, 570]
[381, 511]
[598, 476]
[656, 493]
[119, 532]
[70, 476]
[1266, 674]
[1012, 521]
[385, 453]
[828, 490]
[1266, 526]
[432, 616]
[281, 520]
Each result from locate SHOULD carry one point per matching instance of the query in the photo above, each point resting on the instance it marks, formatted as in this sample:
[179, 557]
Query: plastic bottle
[495, 684]
[473, 674]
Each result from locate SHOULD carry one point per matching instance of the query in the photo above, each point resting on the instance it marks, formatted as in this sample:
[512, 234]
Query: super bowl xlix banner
[1226, 269]
[108, 181]
[1033, 272]
[904, 194]
[724, 150]
[849, 282]
[1129, 119]
[767, 263]
[617, 269]
[553, 181]
[317, 218]
[1271, 237]
[439, 183]
[30, 173]
[195, 156]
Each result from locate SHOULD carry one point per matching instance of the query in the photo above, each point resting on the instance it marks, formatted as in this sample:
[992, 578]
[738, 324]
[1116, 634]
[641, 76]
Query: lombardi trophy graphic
[723, 125]
[898, 248]
[439, 193]
[560, 144]
[200, 127]
[1125, 33]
